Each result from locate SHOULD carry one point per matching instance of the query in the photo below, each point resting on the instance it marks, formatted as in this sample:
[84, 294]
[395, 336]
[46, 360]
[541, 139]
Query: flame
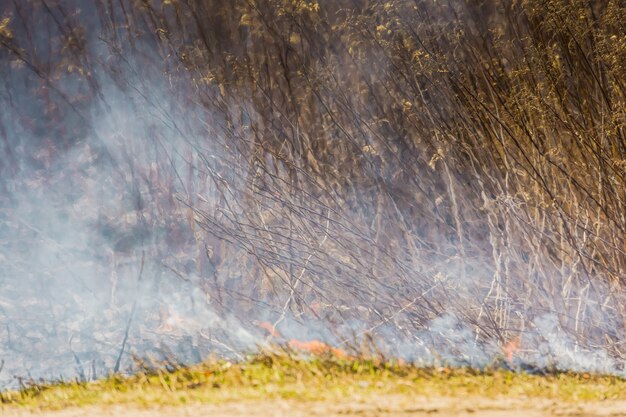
[269, 327]
[511, 348]
[316, 347]
[170, 321]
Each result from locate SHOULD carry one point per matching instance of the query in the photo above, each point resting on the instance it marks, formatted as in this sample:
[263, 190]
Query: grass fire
[294, 207]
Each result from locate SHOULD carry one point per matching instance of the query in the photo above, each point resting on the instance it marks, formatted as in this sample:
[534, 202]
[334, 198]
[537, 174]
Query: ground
[382, 406]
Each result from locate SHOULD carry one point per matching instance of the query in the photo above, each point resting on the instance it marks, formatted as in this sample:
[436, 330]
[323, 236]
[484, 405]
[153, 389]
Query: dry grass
[327, 377]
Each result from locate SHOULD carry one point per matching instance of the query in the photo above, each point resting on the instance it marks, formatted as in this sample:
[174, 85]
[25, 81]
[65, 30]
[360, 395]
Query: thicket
[350, 161]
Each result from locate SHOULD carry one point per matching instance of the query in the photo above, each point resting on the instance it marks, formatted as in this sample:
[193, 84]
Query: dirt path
[386, 406]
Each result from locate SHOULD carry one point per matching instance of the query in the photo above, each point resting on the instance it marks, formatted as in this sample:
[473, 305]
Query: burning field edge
[292, 375]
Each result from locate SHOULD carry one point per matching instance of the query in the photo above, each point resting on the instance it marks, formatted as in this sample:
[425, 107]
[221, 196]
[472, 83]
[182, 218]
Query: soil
[386, 406]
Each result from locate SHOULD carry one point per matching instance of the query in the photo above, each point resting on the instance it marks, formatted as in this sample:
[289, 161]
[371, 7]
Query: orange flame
[511, 348]
[170, 320]
[316, 347]
[269, 327]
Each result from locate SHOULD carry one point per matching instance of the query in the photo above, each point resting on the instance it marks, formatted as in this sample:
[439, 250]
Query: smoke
[168, 184]
[98, 255]
[85, 257]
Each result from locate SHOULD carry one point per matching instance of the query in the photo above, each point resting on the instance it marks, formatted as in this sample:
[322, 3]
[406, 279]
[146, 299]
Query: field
[281, 384]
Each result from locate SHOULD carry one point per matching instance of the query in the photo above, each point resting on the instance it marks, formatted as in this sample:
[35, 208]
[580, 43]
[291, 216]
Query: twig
[130, 318]
[81, 371]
